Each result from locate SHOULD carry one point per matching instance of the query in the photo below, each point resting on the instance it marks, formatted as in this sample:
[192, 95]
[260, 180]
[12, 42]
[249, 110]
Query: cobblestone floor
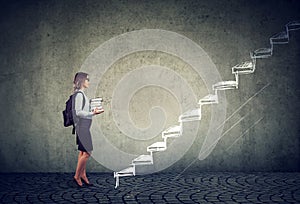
[155, 188]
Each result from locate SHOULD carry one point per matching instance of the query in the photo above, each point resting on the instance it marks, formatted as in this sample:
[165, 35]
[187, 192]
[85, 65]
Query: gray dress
[83, 135]
[83, 121]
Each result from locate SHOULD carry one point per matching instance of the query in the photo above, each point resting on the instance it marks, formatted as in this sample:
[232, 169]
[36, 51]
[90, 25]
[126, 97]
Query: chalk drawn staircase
[247, 67]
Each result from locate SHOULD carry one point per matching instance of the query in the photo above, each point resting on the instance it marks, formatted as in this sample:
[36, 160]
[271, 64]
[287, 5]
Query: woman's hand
[97, 111]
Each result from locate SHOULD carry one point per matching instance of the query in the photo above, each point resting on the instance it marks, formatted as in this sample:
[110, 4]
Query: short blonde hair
[79, 79]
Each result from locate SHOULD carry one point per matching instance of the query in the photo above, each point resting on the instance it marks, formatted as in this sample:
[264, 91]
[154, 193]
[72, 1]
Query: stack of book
[95, 103]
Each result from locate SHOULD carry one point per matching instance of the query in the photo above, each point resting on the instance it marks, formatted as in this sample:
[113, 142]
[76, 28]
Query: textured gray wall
[43, 44]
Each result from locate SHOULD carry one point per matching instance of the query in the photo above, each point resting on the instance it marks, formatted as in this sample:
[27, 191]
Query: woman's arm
[78, 107]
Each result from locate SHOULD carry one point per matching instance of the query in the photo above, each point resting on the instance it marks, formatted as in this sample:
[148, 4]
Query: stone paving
[155, 188]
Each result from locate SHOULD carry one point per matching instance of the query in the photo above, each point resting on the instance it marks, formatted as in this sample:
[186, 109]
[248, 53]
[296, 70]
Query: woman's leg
[81, 167]
[85, 157]
[78, 169]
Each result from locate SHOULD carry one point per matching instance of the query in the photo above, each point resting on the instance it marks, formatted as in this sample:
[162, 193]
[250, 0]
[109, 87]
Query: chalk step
[130, 171]
[244, 68]
[172, 132]
[157, 147]
[280, 38]
[225, 85]
[143, 160]
[294, 25]
[191, 115]
[262, 53]
[209, 99]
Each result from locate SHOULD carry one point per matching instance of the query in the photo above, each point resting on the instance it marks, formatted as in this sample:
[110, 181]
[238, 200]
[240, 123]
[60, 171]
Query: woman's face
[86, 82]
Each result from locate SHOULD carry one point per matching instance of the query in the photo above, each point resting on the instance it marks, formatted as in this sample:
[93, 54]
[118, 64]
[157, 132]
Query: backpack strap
[83, 104]
[73, 130]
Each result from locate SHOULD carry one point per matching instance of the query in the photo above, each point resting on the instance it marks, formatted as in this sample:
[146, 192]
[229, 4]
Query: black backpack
[68, 112]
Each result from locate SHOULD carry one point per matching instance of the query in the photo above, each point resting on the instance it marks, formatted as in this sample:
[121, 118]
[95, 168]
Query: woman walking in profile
[83, 120]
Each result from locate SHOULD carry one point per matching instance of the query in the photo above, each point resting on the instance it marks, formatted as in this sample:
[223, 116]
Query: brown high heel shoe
[87, 183]
[77, 183]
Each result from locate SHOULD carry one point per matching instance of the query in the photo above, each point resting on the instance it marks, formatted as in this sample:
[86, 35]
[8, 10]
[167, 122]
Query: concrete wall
[44, 43]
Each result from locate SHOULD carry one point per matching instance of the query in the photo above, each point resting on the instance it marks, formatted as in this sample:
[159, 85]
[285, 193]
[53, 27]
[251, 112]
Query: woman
[83, 119]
